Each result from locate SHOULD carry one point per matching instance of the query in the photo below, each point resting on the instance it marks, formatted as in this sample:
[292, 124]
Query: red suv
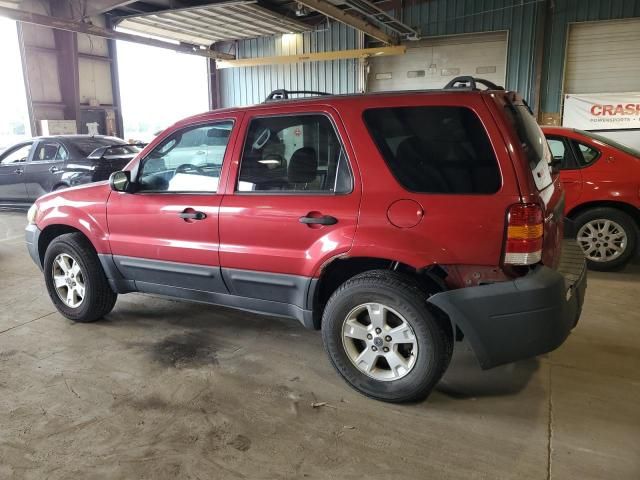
[396, 223]
[601, 179]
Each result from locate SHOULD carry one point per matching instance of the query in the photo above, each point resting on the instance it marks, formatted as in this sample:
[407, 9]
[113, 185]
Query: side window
[48, 151]
[188, 161]
[561, 152]
[19, 155]
[435, 149]
[293, 154]
[586, 154]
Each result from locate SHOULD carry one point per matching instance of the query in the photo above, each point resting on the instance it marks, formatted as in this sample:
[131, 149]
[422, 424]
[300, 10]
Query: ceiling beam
[98, 7]
[331, 11]
[313, 57]
[89, 29]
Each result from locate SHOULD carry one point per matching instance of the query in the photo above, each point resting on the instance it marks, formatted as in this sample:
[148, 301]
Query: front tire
[383, 339]
[607, 236]
[75, 280]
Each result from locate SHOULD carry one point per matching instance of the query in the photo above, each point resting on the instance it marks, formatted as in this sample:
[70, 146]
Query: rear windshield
[611, 143]
[88, 145]
[435, 149]
[533, 143]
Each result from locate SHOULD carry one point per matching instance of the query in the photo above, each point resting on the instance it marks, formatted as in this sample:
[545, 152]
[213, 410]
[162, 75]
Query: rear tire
[75, 280]
[418, 344]
[608, 237]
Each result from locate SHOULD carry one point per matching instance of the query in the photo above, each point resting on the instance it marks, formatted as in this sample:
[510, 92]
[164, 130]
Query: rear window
[533, 143]
[435, 149]
[88, 145]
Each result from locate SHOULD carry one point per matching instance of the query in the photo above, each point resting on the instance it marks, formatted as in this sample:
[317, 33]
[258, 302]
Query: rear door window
[433, 149]
[586, 154]
[561, 152]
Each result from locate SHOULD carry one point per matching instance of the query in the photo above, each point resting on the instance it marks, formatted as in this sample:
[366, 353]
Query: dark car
[41, 165]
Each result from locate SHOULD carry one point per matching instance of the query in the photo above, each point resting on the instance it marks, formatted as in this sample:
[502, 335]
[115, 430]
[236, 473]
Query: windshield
[533, 143]
[611, 143]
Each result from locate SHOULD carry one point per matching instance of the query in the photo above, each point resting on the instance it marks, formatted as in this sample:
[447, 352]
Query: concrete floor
[164, 389]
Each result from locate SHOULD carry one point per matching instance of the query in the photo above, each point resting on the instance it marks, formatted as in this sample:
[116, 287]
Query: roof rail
[469, 83]
[283, 94]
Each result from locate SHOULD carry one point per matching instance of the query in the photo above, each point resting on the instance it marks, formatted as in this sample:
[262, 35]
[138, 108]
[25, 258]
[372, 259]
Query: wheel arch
[340, 269]
[51, 232]
[630, 210]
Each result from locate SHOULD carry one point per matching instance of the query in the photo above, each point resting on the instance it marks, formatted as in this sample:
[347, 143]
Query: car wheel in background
[608, 237]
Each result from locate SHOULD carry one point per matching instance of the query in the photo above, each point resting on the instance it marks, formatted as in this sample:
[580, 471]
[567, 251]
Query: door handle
[324, 220]
[54, 169]
[189, 214]
[19, 171]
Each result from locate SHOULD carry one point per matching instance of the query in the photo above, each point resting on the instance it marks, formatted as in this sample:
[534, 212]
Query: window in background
[14, 115]
[158, 87]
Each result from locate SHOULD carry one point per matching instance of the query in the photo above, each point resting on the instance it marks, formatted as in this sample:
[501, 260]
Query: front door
[12, 166]
[291, 204]
[165, 233]
[43, 172]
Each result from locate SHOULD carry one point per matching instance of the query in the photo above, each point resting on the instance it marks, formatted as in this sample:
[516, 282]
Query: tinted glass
[19, 155]
[560, 151]
[49, 151]
[89, 144]
[186, 161]
[435, 149]
[294, 154]
[586, 154]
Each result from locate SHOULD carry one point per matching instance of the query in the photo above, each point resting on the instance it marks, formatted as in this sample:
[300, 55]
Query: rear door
[12, 167]
[43, 172]
[570, 176]
[165, 233]
[292, 203]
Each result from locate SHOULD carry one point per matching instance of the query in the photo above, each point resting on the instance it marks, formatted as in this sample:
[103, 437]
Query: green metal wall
[562, 13]
[519, 17]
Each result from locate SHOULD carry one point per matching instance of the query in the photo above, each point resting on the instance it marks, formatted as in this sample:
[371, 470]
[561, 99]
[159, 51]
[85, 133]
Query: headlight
[31, 214]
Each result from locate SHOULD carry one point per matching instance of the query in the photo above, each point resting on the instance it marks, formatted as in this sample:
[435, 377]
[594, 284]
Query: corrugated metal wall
[519, 17]
[563, 13]
[250, 85]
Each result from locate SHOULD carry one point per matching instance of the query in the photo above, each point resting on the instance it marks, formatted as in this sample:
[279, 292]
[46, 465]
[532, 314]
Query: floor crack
[25, 323]
[550, 429]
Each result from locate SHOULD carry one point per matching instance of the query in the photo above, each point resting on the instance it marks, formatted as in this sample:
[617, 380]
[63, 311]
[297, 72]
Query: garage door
[431, 63]
[603, 57]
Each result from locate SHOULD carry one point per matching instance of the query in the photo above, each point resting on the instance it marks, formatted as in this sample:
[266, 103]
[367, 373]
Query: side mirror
[120, 181]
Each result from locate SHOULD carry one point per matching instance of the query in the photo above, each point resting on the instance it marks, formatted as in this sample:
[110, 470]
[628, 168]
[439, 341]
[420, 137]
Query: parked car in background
[601, 179]
[41, 165]
[397, 223]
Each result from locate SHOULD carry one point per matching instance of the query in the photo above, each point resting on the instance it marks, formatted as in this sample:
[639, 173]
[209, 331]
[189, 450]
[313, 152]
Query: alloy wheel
[379, 342]
[68, 280]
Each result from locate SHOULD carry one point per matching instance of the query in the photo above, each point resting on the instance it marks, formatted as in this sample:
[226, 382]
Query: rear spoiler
[102, 152]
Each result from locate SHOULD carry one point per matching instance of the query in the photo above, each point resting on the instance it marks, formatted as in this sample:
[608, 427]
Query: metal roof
[209, 24]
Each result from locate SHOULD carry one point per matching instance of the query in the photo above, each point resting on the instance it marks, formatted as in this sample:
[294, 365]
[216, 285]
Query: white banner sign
[602, 111]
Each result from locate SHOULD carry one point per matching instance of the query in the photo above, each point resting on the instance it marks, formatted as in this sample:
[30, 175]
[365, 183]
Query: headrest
[303, 166]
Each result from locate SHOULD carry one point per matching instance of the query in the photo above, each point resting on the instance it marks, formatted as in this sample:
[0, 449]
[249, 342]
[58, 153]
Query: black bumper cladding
[531, 315]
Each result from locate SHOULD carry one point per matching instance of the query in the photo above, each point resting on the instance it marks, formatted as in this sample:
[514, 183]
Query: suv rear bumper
[531, 315]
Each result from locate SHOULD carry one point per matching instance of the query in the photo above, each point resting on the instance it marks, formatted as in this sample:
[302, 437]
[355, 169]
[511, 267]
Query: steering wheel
[187, 167]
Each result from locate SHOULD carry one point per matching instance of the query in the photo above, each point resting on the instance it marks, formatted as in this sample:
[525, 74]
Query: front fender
[84, 209]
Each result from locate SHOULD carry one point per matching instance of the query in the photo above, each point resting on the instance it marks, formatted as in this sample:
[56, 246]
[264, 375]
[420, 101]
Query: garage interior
[169, 389]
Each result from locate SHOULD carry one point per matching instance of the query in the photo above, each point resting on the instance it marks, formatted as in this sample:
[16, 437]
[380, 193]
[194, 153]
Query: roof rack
[283, 94]
[468, 82]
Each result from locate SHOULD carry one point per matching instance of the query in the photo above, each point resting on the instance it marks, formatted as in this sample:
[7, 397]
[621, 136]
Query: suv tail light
[524, 234]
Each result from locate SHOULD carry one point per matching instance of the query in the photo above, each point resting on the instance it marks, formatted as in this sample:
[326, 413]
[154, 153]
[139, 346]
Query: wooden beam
[331, 11]
[312, 57]
[89, 29]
